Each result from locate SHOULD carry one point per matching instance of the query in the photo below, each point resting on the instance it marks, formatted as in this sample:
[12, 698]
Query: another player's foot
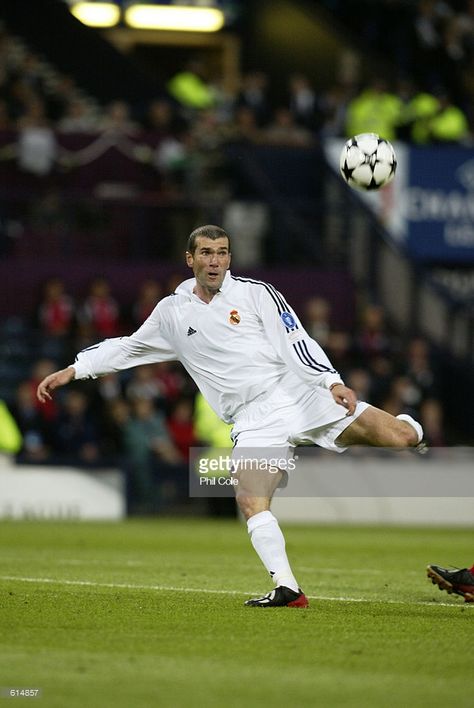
[457, 580]
[281, 596]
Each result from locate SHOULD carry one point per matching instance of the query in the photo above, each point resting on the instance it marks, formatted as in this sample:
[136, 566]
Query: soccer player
[259, 369]
[457, 580]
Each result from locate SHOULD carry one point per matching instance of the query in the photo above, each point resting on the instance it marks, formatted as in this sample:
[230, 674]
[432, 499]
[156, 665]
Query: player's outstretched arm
[58, 378]
[345, 396]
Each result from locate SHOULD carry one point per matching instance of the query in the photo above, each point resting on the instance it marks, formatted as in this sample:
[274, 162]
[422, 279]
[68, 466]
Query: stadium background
[108, 159]
[114, 144]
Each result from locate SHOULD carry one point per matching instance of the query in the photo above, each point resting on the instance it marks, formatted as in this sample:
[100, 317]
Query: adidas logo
[191, 331]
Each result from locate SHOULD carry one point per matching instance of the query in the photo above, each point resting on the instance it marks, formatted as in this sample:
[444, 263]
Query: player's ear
[189, 259]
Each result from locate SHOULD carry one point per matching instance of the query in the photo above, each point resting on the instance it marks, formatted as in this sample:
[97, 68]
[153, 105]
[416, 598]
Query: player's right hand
[345, 397]
[48, 384]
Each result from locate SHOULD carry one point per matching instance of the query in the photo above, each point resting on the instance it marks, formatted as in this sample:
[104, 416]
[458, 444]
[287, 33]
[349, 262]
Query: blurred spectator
[334, 104]
[373, 337]
[172, 380]
[59, 98]
[83, 337]
[172, 283]
[208, 166]
[449, 124]
[37, 147]
[284, 131]
[144, 385]
[428, 24]
[76, 432]
[7, 62]
[31, 74]
[381, 370]
[244, 128]
[403, 397]
[100, 310]
[181, 426]
[116, 416]
[209, 429]
[55, 318]
[49, 214]
[360, 381]
[109, 387]
[253, 95]
[374, 110]
[206, 131]
[212, 432]
[34, 115]
[36, 431]
[454, 46]
[77, 118]
[149, 295]
[316, 321]
[418, 108]
[117, 118]
[465, 20]
[190, 86]
[55, 314]
[248, 221]
[172, 159]
[149, 451]
[431, 418]
[225, 98]
[161, 117]
[303, 102]
[10, 435]
[43, 367]
[19, 95]
[419, 366]
[339, 348]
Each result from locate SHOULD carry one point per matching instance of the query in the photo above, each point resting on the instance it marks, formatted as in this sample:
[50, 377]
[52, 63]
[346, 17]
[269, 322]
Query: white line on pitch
[171, 588]
[135, 563]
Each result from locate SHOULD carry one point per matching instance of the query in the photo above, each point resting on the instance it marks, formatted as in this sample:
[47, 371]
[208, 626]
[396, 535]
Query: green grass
[99, 624]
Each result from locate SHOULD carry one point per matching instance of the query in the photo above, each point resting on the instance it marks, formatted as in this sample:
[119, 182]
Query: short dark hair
[209, 231]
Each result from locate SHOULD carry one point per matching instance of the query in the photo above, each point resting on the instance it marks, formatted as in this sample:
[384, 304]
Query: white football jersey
[237, 348]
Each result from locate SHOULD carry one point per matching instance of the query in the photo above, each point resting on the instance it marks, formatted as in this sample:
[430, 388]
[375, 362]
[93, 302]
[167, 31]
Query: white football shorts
[293, 415]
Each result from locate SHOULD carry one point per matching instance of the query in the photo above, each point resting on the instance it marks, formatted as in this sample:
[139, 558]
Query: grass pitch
[150, 613]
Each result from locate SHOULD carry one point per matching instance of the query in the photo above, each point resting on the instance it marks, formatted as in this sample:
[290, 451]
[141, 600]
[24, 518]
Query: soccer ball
[368, 161]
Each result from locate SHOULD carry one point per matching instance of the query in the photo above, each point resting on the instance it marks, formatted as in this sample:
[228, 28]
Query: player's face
[209, 262]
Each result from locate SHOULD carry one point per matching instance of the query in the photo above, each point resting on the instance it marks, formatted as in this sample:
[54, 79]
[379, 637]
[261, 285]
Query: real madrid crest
[234, 317]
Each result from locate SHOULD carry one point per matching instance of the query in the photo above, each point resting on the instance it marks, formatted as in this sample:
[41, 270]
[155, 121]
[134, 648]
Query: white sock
[411, 421]
[269, 542]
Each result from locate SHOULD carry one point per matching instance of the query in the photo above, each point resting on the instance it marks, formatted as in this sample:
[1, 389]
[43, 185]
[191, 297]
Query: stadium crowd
[146, 419]
[431, 99]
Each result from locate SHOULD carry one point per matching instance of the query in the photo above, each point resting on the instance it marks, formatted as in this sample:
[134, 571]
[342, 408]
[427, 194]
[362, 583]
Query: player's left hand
[345, 397]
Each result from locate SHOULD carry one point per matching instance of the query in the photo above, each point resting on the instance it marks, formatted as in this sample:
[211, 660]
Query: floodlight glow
[174, 17]
[96, 14]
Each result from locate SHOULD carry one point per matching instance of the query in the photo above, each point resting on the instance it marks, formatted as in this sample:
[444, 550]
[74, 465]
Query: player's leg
[380, 429]
[253, 495]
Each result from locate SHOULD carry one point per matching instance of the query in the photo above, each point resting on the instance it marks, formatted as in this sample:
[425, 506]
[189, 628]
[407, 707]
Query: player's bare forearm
[345, 396]
[55, 380]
